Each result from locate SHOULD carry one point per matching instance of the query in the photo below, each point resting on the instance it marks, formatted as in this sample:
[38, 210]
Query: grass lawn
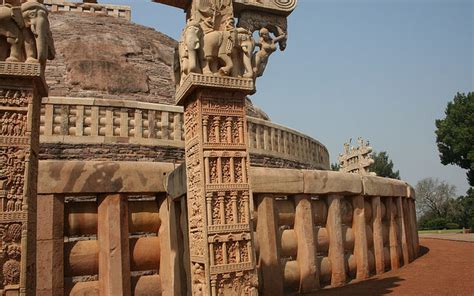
[443, 231]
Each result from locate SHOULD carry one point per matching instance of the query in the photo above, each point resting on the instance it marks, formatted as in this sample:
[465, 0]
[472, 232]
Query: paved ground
[445, 268]
[451, 236]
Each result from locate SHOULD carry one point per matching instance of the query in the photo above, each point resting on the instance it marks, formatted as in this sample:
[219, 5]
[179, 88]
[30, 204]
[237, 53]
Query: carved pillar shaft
[220, 233]
[21, 88]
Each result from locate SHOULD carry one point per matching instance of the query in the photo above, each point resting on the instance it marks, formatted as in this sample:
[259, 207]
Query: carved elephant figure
[27, 33]
[189, 49]
[39, 44]
[217, 52]
[243, 54]
[11, 27]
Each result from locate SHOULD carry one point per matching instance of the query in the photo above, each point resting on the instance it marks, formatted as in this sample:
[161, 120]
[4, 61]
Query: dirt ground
[444, 268]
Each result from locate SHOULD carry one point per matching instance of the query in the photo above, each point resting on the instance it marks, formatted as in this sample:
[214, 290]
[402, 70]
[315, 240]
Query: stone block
[279, 181]
[175, 182]
[101, 177]
[378, 186]
[50, 211]
[49, 267]
[329, 182]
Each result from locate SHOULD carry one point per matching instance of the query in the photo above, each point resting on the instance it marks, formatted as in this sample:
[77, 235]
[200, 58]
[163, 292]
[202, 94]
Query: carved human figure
[4, 123]
[267, 46]
[199, 280]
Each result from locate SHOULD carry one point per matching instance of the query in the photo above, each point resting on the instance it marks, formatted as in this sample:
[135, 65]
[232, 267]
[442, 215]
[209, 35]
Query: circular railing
[74, 121]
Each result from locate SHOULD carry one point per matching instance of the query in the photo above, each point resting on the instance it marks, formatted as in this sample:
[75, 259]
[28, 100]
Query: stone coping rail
[119, 11]
[104, 121]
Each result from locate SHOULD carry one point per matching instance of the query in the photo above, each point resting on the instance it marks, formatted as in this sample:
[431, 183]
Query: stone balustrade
[320, 228]
[102, 121]
[119, 11]
[313, 229]
[317, 229]
[103, 228]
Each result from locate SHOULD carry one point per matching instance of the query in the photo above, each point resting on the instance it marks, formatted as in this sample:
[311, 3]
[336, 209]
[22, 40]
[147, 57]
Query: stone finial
[356, 159]
[27, 32]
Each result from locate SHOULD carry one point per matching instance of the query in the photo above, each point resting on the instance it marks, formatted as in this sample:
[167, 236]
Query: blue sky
[380, 69]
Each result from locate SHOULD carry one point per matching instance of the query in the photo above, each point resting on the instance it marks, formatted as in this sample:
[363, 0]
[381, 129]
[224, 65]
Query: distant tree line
[438, 207]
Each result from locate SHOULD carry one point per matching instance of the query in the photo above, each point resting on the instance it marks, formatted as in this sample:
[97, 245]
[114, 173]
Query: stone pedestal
[218, 200]
[21, 88]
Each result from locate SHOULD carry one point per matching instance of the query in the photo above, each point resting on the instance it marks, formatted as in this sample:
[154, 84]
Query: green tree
[465, 210]
[335, 167]
[455, 134]
[383, 166]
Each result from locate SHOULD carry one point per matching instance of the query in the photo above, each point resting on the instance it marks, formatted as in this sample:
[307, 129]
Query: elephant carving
[217, 52]
[243, 54]
[27, 34]
[189, 50]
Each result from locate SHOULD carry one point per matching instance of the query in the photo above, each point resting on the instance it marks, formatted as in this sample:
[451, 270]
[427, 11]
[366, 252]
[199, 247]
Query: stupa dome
[109, 57]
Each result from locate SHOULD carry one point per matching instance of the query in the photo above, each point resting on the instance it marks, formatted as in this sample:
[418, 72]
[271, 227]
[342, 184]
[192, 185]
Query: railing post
[377, 225]
[336, 243]
[138, 123]
[408, 230]
[50, 246]
[169, 257]
[306, 241]
[393, 235]
[113, 237]
[402, 230]
[48, 119]
[79, 120]
[416, 245]
[270, 246]
[360, 244]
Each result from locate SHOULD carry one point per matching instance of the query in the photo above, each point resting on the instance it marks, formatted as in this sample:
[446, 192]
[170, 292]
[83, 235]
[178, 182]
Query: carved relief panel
[218, 194]
[16, 149]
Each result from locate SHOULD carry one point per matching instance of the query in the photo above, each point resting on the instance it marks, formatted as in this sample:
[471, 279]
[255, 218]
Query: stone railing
[313, 229]
[119, 11]
[102, 121]
[104, 229]
[318, 229]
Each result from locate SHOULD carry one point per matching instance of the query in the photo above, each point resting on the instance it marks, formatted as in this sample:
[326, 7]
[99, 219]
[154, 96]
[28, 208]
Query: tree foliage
[335, 167]
[438, 206]
[455, 134]
[383, 166]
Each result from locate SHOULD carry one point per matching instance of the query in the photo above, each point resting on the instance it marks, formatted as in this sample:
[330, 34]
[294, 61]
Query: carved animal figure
[243, 53]
[39, 45]
[11, 28]
[217, 51]
[27, 33]
[189, 50]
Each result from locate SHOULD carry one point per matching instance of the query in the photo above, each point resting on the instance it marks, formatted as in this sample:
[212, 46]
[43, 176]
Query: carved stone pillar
[217, 161]
[21, 88]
